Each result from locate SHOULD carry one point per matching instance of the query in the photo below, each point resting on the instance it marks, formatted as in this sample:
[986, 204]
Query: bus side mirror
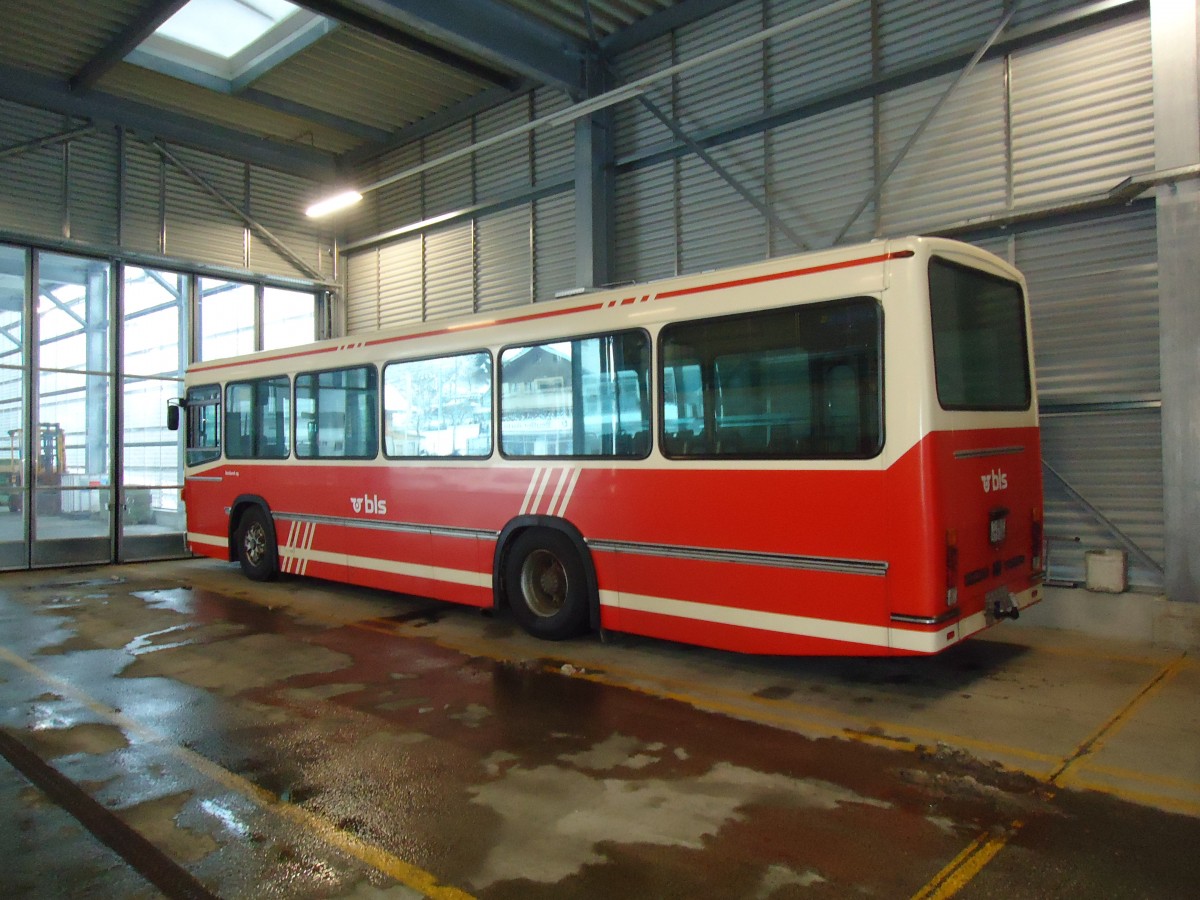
[173, 414]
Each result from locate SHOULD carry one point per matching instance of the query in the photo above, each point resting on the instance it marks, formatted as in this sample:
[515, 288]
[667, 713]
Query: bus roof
[875, 253]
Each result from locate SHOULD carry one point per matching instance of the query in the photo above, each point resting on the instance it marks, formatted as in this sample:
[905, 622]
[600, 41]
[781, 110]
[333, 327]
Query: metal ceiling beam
[42, 92]
[643, 31]
[402, 38]
[319, 116]
[49, 140]
[495, 31]
[143, 25]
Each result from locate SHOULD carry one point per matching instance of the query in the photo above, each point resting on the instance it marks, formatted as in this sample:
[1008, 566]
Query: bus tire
[546, 585]
[255, 542]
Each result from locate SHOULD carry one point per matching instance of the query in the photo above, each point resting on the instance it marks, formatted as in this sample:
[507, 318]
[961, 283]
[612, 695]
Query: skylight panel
[225, 45]
[225, 27]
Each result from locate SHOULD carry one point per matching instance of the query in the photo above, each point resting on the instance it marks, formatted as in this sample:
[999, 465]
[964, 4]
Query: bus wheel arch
[543, 572]
[252, 540]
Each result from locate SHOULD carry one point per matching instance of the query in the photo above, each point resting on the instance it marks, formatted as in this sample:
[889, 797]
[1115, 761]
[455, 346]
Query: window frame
[498, 379]
[880, 397]
[375, 419]
[288, 425]
[493, 363]
[1023, 320]
[219, 403]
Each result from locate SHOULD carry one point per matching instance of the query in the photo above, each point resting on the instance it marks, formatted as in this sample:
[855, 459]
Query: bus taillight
[1036, 534]
[951, 567]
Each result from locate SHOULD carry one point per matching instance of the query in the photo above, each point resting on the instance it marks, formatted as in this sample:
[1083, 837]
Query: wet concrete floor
[302, 739]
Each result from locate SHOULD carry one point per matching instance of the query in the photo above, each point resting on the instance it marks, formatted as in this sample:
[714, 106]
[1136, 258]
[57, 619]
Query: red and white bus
[833, 453]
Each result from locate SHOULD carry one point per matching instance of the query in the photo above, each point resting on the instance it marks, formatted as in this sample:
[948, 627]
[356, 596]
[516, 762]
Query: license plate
[997, 529]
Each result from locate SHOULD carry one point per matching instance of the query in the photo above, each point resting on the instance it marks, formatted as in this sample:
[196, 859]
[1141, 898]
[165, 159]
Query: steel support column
[1175, 30]
[595, 189]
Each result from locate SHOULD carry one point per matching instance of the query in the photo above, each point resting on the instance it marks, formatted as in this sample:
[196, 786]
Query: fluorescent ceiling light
[333, 204]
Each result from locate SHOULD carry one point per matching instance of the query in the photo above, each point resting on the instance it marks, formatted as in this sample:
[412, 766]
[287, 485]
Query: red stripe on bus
[591, 307]
[775, 276]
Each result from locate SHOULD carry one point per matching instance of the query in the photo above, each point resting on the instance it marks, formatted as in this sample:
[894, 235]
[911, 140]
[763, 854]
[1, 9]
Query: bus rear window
[979, 344]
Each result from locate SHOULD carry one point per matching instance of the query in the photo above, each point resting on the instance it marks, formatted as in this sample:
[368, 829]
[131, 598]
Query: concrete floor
[301, 739]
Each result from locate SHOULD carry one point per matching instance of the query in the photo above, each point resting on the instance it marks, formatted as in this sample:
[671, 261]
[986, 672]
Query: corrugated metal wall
[497, 258]
[76, 191]
[1059, 120]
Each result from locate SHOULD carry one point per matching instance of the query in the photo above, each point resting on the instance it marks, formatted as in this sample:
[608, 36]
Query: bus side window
[338, 414]
[203, 435]
[586, 397]
[840, 410]
[440, 407]
[683, 407]
[799, 383]
[258, 418]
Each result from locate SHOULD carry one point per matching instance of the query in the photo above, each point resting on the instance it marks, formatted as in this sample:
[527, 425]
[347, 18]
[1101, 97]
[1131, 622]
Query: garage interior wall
[110, 191]
[810, 122]
[1021, 159]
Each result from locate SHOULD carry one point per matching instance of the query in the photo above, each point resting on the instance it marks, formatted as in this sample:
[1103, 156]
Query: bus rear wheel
[546, 585]
[255, 541]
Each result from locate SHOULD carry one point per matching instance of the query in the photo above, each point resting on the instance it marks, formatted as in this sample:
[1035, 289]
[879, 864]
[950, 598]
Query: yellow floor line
[957, 873]
[960, 871]
[391, 865]
[1095, 741]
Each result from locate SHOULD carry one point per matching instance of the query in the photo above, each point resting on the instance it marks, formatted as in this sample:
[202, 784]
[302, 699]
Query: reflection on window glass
[794, 383]
[226, 318]
[155, 305]
[153, 347]
[979, 343]
[289, 318]
[588, 397]
[203, 435]
[438, 407]
[12, 331]
[336, 414]
[258, 418]
[75, 404]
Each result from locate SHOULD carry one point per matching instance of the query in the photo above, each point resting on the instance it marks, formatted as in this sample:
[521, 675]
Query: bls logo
[996, 480]
[372, 506]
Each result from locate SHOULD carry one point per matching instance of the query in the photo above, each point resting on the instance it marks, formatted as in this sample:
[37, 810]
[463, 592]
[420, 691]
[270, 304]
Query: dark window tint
[258, 418]
[979, 344]
[797, 383]
[336, 414]
[587, 397]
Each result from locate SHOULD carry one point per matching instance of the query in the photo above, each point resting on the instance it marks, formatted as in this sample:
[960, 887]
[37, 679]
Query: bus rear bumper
[934, 640]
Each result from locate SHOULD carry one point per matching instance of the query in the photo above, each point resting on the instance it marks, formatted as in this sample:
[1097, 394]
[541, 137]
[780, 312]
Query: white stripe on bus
[850, 632]
[537, 500]
[562, 510]
[195, 537]
[529, 491]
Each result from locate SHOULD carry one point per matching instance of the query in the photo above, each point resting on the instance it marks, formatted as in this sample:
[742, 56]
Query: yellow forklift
[49, 464]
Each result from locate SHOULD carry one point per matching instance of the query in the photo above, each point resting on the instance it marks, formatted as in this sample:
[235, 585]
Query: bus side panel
[207, 524]
[917, 530]
[751, 609]
[760, 561]
[742, 639]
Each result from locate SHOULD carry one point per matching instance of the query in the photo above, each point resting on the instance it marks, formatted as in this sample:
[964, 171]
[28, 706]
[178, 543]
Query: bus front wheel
[255, 542]
[546, 585]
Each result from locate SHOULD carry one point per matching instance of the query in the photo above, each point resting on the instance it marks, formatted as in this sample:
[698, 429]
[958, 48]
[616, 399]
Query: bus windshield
[979, 344]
